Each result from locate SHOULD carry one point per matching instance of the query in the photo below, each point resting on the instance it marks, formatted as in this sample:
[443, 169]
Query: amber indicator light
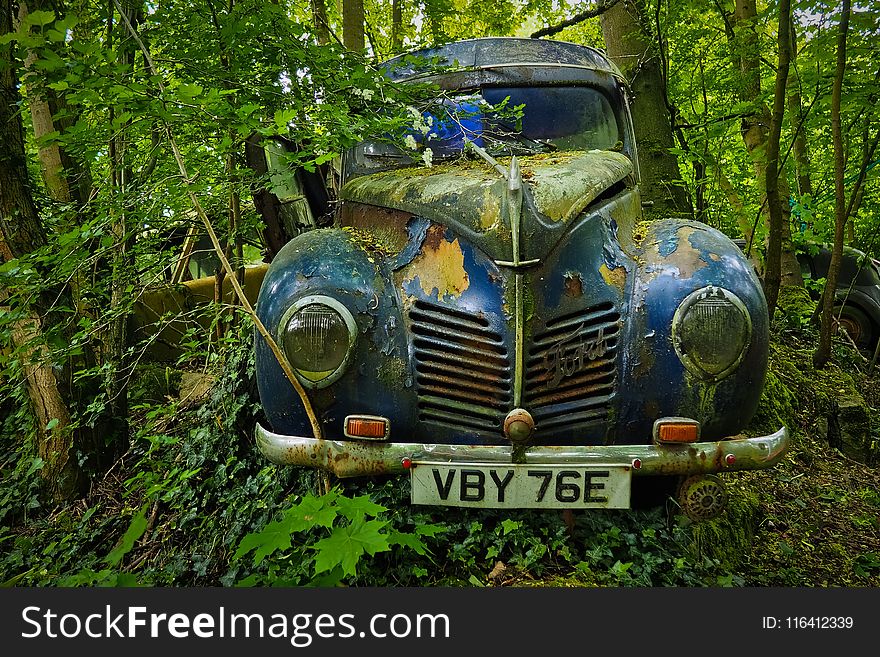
[674, 432]
[359, 427]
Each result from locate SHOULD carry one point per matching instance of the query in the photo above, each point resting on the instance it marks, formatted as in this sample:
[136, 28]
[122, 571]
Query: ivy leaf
[510, 525]
[346, 545]
[126, 580]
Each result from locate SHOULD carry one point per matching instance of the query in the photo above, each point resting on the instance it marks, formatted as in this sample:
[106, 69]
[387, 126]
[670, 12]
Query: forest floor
[200, 487]
[814, 518]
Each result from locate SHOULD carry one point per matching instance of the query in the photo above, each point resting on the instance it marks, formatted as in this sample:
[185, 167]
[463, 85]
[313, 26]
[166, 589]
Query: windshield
[513, 119]
[516, 119]
[504, 120]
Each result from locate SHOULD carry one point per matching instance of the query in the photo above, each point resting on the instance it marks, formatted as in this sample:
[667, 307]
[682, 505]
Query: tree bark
[21, 232]
[353, 24]
[632, 49]
[66, 180]
[319, 18]
[396, 26]
[772, 272]
[797, 117]
[823, 351]
[754, 132]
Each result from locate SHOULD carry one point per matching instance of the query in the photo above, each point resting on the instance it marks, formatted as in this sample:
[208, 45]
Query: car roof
[491, 52]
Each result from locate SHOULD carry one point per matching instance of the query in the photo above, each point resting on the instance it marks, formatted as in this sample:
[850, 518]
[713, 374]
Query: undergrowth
[193, 503]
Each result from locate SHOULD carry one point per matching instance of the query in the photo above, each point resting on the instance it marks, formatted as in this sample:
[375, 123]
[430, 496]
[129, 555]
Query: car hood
[470, 196]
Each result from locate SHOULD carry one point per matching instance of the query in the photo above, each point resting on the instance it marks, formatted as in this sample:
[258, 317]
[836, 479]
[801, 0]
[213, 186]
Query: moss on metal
[728, 539]
[393, 372]
[471, 191]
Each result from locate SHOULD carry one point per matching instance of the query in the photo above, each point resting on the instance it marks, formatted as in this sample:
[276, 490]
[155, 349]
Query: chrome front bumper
[353, 458]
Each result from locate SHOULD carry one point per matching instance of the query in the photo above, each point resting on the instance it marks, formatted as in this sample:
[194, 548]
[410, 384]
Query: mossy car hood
[469, 196]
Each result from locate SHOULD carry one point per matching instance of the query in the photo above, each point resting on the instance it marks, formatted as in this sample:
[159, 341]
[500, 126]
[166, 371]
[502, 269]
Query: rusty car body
[504, 326]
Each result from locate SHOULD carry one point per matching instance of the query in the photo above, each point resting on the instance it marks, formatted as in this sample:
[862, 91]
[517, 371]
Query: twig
[233, 279]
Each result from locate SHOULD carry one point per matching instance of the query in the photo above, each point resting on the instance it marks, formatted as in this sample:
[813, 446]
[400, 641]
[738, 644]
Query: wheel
[702, 497]
[857, 324]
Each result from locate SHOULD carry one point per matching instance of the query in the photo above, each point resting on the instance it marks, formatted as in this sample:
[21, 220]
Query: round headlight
[710, 331]
[317, 334]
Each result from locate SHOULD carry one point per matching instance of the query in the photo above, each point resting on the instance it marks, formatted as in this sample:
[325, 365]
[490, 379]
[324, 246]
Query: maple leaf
[274, 536]
[346, 545]
[311, 512]
[355, 508]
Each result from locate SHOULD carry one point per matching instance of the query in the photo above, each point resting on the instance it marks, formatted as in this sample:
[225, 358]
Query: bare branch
[598, 10]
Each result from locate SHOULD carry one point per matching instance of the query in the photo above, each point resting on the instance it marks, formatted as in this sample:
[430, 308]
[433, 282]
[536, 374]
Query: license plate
[521, 486]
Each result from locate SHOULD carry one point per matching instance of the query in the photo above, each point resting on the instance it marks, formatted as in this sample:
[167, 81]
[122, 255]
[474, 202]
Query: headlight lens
[711, 330]
[318, 334]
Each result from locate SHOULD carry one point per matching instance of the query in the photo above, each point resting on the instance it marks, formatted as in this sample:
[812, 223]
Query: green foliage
[191, 502]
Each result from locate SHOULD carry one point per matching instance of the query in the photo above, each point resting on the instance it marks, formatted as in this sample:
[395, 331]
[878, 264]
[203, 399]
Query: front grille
[462, 368]
[571, 371]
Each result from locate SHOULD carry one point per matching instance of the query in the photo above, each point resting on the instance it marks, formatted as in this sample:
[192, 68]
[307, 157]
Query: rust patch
[573, 285]
[672, 253]
[440, 266]
[615, 277]
[686, 257]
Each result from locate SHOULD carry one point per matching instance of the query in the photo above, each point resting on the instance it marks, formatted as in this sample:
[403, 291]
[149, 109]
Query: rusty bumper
[352, 458]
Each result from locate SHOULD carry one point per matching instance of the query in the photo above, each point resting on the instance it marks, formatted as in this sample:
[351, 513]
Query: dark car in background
[503, 327]
[857, 298]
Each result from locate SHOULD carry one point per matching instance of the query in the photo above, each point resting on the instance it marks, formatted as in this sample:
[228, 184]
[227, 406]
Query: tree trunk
[21, 232]
[632, 49]
[823, 351]
[772, 272]
[353, 24]
[796, 115]
[396, 26]
[319, 18]
[754, 133]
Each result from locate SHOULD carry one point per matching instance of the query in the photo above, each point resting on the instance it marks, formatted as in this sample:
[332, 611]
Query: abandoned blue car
[503, 327]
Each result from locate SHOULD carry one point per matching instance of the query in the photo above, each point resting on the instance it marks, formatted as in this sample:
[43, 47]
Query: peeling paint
[562, 191]
[490, 216]
[562, 186]
[439, 268]
[615, 277]
[687, 258]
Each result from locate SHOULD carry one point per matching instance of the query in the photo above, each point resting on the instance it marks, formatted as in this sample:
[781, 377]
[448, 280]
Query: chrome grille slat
[459, 359]
[463, 378]
[431, 374]
[459, 338]
[571, 370]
